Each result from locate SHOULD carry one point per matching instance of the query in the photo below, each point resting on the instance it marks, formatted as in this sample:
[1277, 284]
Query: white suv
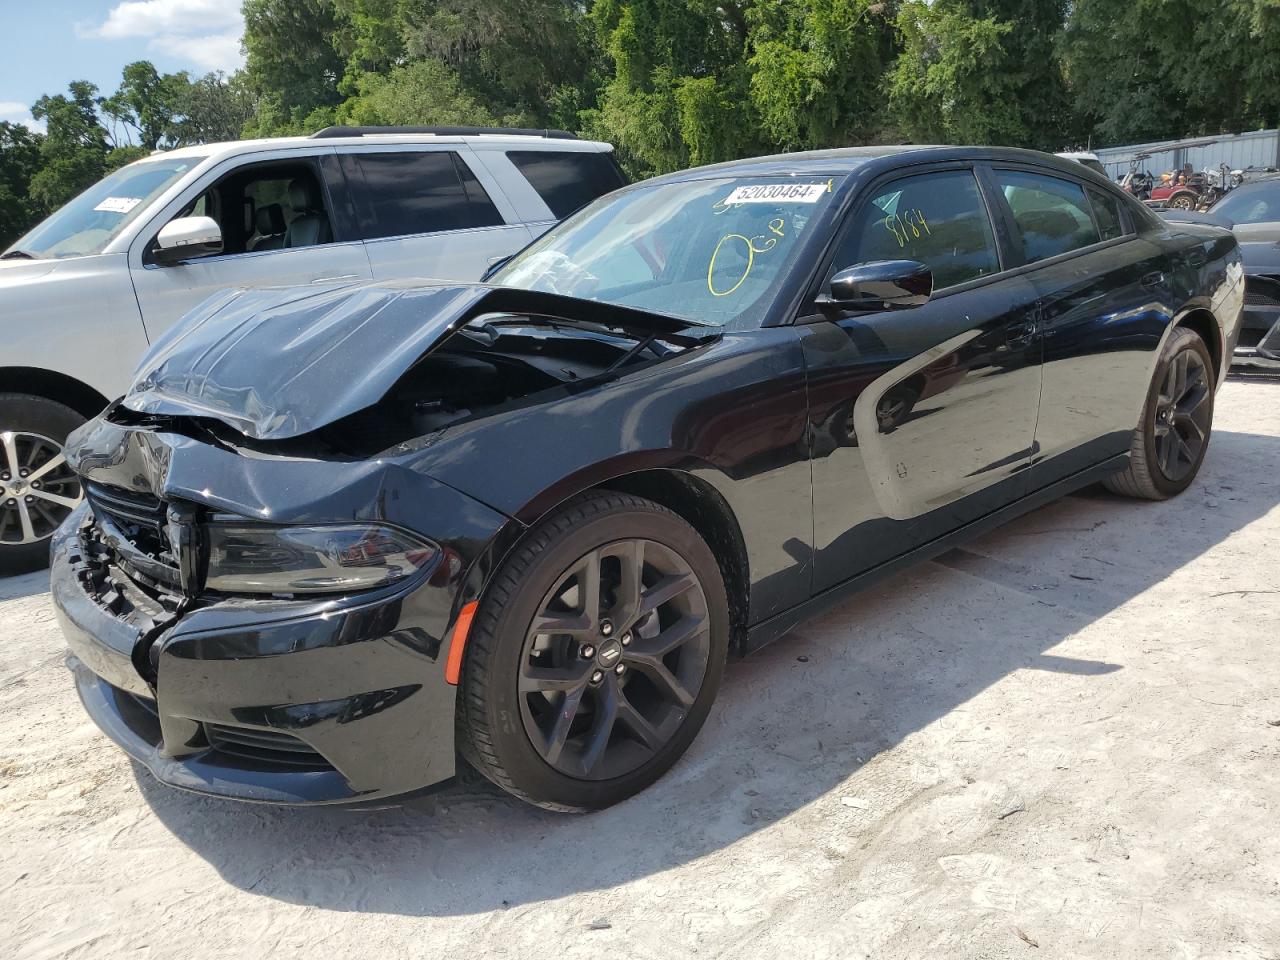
[84, 292]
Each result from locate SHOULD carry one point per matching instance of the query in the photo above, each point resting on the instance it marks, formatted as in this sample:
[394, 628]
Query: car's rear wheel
[1170, 442]
[595, 654]
[37, 487]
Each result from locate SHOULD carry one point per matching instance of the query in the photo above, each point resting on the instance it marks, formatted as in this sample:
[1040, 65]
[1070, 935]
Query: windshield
[1257, 203]
[89, 222]
[709, 251]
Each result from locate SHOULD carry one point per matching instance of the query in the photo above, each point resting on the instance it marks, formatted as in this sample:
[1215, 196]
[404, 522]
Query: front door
[922, 419]
[278, 229]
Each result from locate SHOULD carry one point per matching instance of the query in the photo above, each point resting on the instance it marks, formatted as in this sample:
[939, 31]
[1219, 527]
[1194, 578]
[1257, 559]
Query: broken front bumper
[330, 700]
[1259, 344]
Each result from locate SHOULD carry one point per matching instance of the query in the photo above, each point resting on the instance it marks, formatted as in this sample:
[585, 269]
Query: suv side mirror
[880, 285]
[187, 238]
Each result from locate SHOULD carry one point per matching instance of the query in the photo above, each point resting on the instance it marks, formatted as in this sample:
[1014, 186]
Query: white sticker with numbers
[778, 193]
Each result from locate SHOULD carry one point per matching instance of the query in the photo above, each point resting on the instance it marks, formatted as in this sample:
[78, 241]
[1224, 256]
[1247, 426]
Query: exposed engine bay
[483, 368]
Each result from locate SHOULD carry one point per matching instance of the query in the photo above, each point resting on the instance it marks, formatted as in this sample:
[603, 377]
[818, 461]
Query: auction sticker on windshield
[778, 193]
[118, 204]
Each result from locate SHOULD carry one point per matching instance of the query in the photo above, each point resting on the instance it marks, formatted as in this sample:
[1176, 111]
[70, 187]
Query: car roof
[846, 160]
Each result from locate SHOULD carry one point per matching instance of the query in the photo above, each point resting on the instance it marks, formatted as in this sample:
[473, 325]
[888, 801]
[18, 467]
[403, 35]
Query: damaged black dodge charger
[333, 537]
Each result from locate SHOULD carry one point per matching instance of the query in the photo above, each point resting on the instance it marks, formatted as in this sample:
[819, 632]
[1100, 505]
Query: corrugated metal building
[1258, 149]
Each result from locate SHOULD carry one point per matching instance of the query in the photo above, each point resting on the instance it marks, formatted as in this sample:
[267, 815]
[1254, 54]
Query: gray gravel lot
[1059, 741]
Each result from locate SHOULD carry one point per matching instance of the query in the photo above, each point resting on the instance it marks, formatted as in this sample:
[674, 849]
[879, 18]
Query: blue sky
[49, 43]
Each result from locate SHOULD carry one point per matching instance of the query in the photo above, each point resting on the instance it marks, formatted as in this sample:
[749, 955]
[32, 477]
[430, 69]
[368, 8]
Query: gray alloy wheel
[1170, 443]
[38, 489]
[595, 654]
[614, 659]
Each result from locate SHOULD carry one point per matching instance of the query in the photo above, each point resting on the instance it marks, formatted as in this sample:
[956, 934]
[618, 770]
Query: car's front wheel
[595, 654]
[37, 487]
[1170, 443]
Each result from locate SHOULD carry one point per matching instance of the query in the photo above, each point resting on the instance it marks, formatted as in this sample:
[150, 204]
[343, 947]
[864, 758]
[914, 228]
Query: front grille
[133, 525]
[1261, 292]
[267, 747]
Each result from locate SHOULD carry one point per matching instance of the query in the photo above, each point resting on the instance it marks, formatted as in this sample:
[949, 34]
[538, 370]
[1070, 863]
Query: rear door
[922, 419]
[424, 212]
[1103, 294]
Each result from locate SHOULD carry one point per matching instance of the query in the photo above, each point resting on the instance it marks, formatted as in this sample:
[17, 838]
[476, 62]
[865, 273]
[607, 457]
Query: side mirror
[187, 238]
[880, 285]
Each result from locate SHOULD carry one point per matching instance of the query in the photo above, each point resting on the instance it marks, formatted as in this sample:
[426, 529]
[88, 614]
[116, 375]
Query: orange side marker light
[458, 642]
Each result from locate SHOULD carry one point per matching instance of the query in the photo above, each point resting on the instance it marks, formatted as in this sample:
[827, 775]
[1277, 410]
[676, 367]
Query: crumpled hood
[279, 363]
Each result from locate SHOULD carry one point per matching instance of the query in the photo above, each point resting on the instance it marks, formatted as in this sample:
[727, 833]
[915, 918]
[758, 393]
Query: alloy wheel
[614, 659]
[38, 489]
[1182, 415]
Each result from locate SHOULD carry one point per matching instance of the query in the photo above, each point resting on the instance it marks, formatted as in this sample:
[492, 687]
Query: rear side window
[938, 219]
[1052, 215]
[567, 181]
[1106, 211]
[411, 193]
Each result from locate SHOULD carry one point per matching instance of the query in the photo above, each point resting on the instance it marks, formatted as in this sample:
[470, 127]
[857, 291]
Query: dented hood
[280, 363]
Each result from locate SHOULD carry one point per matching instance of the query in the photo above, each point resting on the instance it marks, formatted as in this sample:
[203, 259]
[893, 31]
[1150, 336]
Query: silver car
[84, 292]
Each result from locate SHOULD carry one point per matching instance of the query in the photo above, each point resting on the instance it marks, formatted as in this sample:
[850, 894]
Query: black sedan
[1252, 212]
[335, 536]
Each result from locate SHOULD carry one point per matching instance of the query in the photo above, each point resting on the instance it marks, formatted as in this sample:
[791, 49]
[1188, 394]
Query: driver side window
[938, 219]
[263, 207]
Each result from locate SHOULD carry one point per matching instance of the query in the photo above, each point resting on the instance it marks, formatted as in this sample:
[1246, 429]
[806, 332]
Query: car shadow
[794, 721]
[24, 585]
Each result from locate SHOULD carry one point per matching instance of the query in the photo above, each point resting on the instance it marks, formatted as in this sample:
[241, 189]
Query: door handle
[345, 276]
[1153, 280]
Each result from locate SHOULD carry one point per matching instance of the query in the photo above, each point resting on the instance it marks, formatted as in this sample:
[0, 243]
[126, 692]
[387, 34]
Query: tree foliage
[679, 82]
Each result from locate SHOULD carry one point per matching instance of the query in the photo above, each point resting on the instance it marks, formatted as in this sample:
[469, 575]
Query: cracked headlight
[260, 558]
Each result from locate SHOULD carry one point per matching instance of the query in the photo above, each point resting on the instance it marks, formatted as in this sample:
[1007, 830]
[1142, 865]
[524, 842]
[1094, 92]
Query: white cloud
[205, 33]
[16, 112]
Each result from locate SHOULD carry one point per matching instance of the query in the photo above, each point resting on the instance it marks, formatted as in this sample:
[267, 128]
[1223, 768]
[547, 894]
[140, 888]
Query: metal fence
[1259, 149]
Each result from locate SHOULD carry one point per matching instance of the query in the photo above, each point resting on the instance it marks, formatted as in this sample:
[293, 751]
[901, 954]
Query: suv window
[410, 193]
[266, 206]
[567, 181]
[938, 219]
[1106, 211]
[1052, 215]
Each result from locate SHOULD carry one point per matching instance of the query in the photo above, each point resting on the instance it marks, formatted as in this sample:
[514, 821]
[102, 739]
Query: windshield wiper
[18, 255]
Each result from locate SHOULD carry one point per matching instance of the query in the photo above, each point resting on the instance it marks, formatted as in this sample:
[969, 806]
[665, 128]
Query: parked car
[1086, 158]
[1252, 212]
[334, 535]
[84, 292]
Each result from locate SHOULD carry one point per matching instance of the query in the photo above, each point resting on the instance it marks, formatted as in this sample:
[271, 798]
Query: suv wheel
[595, 655]
[37, 488]
[1170, 442]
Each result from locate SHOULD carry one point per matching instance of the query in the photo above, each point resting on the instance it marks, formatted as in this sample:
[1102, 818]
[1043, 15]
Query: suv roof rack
[331, 132]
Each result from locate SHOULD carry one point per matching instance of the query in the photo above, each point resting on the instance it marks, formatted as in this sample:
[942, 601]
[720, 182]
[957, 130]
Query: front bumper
[332, 700]
[1259, 343]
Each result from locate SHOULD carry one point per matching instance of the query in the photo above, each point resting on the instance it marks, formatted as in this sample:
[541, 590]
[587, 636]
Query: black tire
[1182, 201]
[23, 414]
[1149, 475]
[492, 717]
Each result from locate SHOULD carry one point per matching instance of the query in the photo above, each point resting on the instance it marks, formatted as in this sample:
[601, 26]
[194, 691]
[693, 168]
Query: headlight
[259, 558]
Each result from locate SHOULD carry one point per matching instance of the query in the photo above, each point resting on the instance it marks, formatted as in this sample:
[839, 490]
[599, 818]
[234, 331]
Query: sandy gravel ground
[1061, 741]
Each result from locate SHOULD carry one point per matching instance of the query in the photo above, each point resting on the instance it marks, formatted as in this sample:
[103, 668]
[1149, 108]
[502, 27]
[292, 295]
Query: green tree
[146, 105]
[19, 162]
[74, 152]
[981, 71]
[213, 108]
[1162, 69]
[423, 92]
[817, 69]
[292, 66]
